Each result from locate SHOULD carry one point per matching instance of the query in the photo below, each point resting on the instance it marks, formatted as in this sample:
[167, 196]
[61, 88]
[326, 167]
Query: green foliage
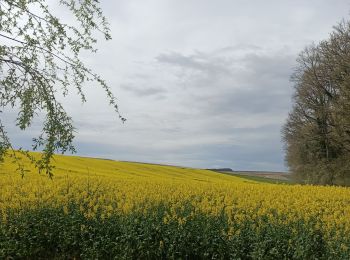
[50, 233]
[39, 56]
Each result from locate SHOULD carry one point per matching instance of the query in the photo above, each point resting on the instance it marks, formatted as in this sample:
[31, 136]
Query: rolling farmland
[95, 208]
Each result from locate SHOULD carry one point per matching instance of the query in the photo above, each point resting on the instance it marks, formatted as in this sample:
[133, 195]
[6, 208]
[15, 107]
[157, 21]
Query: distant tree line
[317, 132]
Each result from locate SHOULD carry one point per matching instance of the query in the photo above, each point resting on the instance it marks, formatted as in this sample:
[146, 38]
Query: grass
[263, 179]
[257, 178]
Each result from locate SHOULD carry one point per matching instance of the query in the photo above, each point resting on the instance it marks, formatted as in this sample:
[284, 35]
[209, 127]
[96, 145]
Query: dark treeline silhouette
[317, 132]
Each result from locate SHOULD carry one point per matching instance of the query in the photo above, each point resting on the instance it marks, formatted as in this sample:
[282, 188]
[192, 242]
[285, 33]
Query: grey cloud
[252, 83]
[223, 70]
[255, 86]
[143, 91]
[198, 61]
[279, 65]
[238, 47]
[246, 102]
[201, 87]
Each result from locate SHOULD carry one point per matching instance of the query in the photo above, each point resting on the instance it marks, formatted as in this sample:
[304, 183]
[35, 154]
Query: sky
[202, 83]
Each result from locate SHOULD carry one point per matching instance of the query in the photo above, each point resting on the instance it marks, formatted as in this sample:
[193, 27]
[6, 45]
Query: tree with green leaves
[39, 58]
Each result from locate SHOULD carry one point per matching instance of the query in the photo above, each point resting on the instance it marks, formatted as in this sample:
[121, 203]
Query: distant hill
[221, 170]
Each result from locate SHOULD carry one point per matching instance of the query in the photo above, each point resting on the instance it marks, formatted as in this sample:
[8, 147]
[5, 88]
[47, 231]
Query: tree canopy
[317, 132]
[39, 58]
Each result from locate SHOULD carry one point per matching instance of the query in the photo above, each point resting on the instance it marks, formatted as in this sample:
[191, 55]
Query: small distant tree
[40, 57]
[317, 132]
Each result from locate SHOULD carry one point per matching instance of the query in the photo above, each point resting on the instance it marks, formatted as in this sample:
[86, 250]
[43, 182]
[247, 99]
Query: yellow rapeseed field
[104, 187]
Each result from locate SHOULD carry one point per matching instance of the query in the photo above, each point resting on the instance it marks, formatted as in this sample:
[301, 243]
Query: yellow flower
[122, 187]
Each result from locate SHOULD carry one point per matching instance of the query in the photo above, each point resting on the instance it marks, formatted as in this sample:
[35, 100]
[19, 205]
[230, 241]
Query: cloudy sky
[202, 83]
